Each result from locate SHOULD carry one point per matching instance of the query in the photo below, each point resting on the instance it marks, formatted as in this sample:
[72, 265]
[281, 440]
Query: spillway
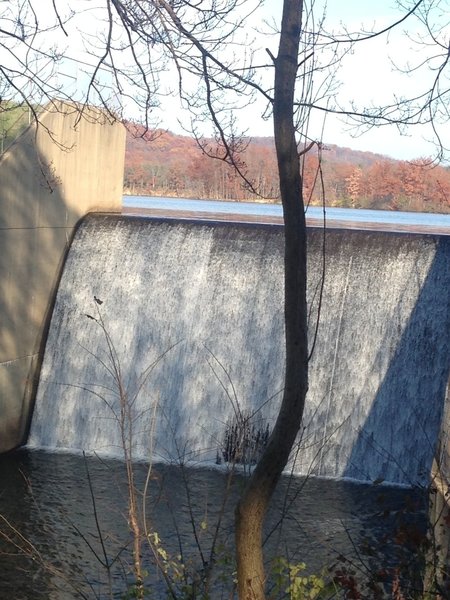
[189, 317]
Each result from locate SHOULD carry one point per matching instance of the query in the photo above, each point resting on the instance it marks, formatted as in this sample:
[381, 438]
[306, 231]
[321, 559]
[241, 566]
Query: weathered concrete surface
[52, 176]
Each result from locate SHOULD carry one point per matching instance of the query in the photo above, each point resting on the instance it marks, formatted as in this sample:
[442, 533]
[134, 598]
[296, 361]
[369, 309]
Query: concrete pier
[61, 168]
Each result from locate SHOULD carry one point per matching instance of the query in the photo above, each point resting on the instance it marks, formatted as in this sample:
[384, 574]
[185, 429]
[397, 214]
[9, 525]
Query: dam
[181, 323]
[167, 336]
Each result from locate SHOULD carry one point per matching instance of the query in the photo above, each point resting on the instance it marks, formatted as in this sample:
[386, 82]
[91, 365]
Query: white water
[207, 299]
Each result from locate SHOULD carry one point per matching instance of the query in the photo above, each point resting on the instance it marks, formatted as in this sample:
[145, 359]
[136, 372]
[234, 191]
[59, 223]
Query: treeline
[173, 165]
[14, 119]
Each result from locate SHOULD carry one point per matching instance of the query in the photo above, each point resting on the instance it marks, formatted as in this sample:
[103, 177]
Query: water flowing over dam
[193, 315]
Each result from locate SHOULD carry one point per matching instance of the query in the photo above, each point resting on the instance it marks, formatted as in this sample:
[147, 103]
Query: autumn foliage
[173, 165]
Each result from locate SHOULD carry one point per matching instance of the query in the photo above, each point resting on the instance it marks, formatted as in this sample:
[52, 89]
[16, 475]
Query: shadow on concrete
[35, 226]
[56, 172]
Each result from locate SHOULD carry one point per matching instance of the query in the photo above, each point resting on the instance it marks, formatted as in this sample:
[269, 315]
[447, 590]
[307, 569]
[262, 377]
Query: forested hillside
[14, 119]
[173, 165]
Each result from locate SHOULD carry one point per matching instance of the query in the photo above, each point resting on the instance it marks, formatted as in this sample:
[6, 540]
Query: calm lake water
[346, 218]
[47, 499]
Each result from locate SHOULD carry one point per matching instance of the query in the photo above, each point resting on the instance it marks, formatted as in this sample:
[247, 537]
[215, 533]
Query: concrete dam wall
[186, 318]
[55, 173]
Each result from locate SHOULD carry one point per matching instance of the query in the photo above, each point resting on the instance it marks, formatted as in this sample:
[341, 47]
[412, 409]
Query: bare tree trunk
[253, 505]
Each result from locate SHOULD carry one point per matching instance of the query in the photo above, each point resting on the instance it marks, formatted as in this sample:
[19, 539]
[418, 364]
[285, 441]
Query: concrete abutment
[67, 165]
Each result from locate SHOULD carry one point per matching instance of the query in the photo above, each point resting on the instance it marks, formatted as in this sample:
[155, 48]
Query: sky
[366, 76]
[370, 76]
